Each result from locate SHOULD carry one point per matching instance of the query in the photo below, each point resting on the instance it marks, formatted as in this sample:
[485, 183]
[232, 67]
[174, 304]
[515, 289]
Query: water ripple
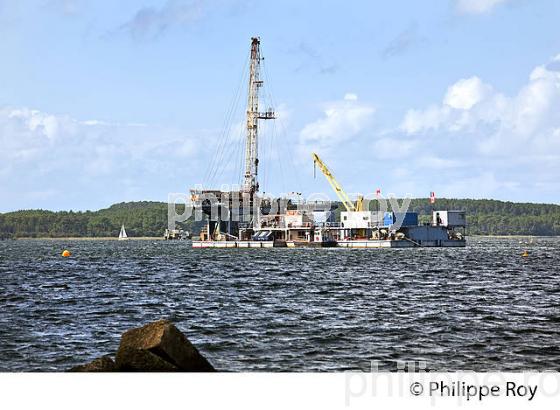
[480, 308]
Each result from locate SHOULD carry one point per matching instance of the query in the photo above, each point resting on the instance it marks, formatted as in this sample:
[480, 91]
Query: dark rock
[130, 359]
[163, 341]
[101, 364]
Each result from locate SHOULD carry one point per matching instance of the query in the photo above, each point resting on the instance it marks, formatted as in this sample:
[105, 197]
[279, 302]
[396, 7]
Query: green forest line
[484, 217]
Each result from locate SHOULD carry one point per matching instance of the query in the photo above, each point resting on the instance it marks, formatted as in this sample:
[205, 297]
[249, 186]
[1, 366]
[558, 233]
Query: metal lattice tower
[250, 183]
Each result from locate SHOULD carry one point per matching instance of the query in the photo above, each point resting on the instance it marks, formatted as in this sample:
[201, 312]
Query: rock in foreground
[159, 347]
[139, 360]
[101, 364]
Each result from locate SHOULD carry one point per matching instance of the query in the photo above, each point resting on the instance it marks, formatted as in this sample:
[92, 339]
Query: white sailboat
[122, 234]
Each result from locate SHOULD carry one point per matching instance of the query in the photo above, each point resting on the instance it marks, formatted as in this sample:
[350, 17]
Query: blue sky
[103, 102]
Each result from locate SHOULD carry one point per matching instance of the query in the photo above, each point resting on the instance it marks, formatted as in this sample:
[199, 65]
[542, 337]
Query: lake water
[481, 308]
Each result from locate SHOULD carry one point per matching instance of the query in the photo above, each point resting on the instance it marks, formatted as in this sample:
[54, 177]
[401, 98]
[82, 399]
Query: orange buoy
[525, 254]
[66, 253]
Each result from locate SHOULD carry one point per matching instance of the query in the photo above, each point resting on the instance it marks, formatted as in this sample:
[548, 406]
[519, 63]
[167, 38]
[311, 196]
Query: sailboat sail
[122, 234]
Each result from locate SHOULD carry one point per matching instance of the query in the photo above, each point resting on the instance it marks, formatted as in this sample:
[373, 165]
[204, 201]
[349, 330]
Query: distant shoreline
[484, 217]
[159, 238]
[513, 236]
[92, 238]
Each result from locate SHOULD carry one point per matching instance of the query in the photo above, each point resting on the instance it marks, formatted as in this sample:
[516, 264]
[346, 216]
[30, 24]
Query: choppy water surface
[479, 308]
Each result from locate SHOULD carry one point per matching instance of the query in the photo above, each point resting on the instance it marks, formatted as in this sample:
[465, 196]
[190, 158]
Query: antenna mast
[250, 183]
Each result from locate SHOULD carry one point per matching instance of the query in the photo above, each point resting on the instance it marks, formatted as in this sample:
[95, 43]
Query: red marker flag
[378, 192]
[432, 197]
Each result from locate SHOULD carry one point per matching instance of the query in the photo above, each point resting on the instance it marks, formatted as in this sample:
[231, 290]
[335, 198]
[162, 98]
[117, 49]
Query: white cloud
[504, 140]
[477, 6]
[418, 120]
[470, 106]
[394, 147]
[48, 125]
[149, 22]
[434, 162]
[455, 112]
[94, 122]
[466, 93]
[97, 160]
[341, 121]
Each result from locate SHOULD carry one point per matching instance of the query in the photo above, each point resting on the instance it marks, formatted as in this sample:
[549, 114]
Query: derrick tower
[250, 182]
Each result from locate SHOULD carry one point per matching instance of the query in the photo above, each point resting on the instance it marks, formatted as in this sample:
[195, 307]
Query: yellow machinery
[348, 204]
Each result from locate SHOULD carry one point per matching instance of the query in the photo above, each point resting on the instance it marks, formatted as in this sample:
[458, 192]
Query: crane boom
[348, 204]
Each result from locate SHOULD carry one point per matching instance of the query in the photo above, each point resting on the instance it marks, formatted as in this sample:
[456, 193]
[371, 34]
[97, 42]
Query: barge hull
[401, 244]
[239, 244]
[340, 244]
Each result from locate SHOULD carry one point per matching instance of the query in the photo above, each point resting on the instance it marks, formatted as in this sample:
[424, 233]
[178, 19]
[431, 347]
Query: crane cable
[223, 141]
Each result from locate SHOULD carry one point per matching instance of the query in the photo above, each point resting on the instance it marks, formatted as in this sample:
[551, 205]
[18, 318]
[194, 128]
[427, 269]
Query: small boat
[122, 234]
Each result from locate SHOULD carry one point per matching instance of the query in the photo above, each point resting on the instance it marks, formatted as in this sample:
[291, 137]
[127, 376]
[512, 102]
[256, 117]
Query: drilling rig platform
[242, 218]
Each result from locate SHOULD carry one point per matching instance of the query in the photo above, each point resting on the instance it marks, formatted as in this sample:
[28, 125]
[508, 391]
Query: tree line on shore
[143, 218]
[484, 217]
[492, 217]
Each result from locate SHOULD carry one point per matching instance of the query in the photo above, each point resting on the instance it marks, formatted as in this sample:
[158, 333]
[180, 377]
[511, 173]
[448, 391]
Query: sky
[104, 102]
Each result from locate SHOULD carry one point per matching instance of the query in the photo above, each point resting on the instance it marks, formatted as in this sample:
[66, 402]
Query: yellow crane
[348, 204]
